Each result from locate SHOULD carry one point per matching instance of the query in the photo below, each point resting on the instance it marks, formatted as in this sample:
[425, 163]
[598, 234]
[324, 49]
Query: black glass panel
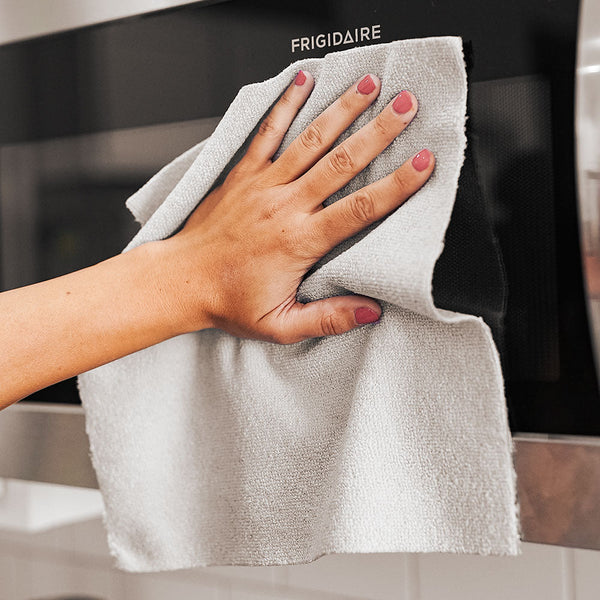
[516, 207]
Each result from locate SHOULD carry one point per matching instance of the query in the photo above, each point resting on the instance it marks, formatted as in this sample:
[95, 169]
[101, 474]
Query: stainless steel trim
[559, 490]
[42, 442]
[35, 18]
[558, 477]
[587, 134]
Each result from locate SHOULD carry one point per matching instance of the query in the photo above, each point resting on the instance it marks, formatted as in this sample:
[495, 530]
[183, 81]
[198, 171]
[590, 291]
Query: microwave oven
[88, 115]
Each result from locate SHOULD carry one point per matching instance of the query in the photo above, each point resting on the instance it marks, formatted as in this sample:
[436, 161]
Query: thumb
[330, 316]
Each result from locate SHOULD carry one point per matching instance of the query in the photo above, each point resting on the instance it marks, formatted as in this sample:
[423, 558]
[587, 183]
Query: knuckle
[242, 168]
[312, 137]
[285, 100]
[346, 104]
[267, 127]
[269, 210]
[401, 183]
[330, 325]
[381, 125]
[341, 162]
[362, 207]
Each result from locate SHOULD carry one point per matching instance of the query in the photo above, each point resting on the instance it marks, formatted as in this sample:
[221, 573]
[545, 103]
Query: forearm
[62, 327]
[237, 262]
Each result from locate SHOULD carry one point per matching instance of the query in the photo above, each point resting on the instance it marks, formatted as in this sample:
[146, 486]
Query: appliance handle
[587, 144]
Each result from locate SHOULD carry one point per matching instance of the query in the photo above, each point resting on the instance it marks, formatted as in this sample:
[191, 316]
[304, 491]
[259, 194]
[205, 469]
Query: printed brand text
[337, 38]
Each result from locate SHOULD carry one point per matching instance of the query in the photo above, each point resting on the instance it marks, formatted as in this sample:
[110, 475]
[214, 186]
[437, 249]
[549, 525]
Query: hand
[243, 252]
[237, 262]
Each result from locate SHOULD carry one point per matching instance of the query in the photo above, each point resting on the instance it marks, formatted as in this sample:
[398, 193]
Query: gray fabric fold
[391, 438]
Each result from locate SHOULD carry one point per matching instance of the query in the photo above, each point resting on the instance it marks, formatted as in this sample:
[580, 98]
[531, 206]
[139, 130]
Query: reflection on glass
[62, 201]
[588, 157]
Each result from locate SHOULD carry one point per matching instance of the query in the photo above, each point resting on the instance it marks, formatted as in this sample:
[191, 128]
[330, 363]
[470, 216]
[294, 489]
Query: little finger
[275, 125]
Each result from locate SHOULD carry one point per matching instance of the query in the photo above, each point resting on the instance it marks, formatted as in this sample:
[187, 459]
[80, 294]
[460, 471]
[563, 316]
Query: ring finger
[345, 161]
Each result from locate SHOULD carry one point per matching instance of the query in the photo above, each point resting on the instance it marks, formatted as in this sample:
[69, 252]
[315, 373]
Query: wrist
[178, 289]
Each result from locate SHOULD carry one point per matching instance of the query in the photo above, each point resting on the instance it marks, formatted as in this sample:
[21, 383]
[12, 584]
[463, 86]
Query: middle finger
[310, 145]
[341, 164]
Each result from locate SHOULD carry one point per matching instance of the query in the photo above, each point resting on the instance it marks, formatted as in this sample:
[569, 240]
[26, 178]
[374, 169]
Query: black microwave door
[512, 251]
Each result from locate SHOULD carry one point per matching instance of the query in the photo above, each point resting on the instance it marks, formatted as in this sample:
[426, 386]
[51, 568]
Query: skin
[236, 264]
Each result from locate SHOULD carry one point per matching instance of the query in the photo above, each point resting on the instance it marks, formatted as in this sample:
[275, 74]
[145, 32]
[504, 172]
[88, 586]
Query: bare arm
[59, 328]
[237, 263]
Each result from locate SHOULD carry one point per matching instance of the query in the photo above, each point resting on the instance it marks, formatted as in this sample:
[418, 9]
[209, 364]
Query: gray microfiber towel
[213, 450]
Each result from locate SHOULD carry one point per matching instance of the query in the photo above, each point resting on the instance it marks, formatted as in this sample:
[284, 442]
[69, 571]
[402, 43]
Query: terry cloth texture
[212, 450]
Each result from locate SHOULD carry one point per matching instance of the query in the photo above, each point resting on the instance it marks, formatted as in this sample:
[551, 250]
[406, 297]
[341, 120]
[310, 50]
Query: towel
[214, 450]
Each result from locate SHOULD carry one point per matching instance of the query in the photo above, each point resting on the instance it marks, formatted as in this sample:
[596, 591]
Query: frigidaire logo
[337, 38]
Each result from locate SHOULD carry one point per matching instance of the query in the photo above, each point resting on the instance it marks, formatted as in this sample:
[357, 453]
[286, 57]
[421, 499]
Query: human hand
[237, 263]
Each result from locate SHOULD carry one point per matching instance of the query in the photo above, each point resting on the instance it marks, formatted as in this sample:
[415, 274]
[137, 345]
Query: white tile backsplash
[88, 534]
[7, 577]
[586, 574]
[75, 559]
[365, 576]
[537, 573]
[160, 587]
[41, 579]
[247, 595]
[269, 576]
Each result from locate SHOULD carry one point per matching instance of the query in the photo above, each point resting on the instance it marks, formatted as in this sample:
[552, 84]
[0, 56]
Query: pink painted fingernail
[403, 102]
[421, 160]
[366, 85]
[365, 315]
[300, 78]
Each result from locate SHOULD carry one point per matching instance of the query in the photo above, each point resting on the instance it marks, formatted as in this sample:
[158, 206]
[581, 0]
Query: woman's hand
[244, 251]
[237, 262]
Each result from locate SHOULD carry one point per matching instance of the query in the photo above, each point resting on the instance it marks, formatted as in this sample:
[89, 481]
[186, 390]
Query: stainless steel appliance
[87, 116]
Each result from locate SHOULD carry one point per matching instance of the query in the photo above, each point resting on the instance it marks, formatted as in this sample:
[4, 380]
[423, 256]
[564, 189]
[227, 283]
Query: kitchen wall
[74, 559]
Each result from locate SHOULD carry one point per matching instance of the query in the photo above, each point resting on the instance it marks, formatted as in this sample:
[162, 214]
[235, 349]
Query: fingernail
[365, 315]
[421, 160]
[366, 85]
[403, 102]
[300, 78]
